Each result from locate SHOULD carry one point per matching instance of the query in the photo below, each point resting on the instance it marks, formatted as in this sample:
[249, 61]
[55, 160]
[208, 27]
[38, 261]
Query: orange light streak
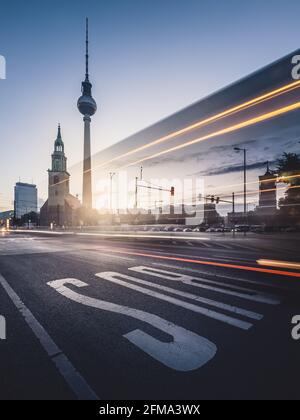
[282, 264]
[210, 263]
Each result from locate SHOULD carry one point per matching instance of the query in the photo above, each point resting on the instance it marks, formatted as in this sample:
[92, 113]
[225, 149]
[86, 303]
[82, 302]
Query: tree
[288, 169]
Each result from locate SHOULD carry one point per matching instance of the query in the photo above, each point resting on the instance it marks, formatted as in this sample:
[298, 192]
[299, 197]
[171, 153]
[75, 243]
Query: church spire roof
[59, 144]
[58, 132]
[58, 156]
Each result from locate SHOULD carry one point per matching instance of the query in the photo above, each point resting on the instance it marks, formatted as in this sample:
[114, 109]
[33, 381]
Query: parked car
[187, 230]
[210, 230]
[199, 229]
[219, 230]
[168, 229]
[226, 230]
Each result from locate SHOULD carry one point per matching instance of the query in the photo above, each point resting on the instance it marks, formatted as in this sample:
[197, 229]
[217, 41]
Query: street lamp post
[239, 149]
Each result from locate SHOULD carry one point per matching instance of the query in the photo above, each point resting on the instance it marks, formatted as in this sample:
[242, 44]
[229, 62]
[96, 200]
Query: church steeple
[59, 160]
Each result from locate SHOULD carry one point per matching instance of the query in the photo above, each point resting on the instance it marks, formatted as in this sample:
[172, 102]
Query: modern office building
[25, 199]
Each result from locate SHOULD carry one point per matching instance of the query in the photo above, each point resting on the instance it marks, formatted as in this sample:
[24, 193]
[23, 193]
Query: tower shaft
[87, 107]
[87, 166]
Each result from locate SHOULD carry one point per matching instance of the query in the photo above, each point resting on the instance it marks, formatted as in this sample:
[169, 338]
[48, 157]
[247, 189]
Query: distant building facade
[25, 199]
[267, 194]
[6, 215]
[60, 208]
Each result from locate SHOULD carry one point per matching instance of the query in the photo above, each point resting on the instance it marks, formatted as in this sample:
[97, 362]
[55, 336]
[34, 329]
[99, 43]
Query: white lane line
[187, 351]
[235, 259]
[73, 378]
[115, 278]
[206, 301]
[202, 273]
[99, 253]
[206, 245]
[43, 232]
[223, 245]
[246, 247]
[198, 282]
[117, 256]
[143, 236]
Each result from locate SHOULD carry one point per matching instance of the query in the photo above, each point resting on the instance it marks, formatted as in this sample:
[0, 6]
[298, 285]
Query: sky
[148, 60]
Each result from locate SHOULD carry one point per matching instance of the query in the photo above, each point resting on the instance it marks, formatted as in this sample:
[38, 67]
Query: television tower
[87, 107]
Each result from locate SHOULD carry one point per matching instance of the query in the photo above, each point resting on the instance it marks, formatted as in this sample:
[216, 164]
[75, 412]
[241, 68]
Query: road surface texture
[124, 318]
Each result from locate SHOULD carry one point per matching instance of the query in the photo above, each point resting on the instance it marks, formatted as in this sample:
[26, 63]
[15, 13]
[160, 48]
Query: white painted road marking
[197, 298]
[23, 246]
[193, 281]
[115, 278]
[116, 256]
[223, 277]
[187, 351]
[73, 378]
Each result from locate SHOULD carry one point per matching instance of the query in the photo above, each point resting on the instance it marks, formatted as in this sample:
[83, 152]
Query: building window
[56, 179]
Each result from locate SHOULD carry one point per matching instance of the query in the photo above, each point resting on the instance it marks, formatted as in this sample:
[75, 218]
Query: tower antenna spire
[86, 49]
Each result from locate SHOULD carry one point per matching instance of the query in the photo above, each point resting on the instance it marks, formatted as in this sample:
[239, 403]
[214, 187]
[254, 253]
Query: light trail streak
[210, 263]
[255, 101]
[244, 124]
[282, 264]
[276, 179]
[268, 96]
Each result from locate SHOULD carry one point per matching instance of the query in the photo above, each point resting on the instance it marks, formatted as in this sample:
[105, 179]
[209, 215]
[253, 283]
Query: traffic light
[172, 191]
[218, 200]
[212, 198]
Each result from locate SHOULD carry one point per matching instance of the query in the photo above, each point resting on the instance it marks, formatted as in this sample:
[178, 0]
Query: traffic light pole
[213, 199]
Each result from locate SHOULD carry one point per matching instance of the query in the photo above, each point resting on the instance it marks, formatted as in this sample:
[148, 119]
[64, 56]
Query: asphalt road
[90, 317]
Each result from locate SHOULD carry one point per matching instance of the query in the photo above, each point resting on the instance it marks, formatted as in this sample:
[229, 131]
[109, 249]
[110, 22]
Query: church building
[60, 208]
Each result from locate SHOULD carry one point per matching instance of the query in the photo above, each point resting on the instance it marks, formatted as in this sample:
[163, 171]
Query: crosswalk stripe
[190, 243]
[205, 245]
